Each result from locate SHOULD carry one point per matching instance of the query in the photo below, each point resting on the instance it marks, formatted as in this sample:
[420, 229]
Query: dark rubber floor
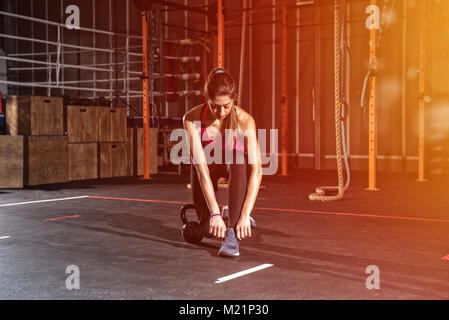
[131, 249]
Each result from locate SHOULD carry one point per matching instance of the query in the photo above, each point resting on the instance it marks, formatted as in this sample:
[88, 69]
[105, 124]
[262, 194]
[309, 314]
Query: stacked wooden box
[101, 146]
[112, 142]
[135, 150]
[50, 143]
[82, 131]
[11, 161]
[97, 142]
[36, 150]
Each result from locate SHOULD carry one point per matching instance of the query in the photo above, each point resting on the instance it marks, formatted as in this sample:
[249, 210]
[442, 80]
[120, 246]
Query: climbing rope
[242, 56]
[320, 192]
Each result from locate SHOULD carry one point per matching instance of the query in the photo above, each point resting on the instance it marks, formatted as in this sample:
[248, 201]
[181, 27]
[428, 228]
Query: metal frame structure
[284, 93]
[220, 40]
[316, 90]
[372, 131]
[55, 65]
[422, 92]
[146, 99]
[116, 76]
[54, 59]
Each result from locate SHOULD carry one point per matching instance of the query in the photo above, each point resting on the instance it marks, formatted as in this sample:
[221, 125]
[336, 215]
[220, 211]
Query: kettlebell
[192, 230]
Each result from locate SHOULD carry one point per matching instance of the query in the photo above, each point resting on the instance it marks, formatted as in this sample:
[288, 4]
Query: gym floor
[124, 236]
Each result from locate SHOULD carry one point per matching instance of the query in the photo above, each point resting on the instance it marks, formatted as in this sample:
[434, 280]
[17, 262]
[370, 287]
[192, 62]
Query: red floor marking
[352, 214]
[61, 218]
[446, 257]
[294, 210]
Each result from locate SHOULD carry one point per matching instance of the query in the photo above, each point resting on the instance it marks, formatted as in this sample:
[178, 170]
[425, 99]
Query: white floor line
[242, 273]
[4, 237]
[38, 201]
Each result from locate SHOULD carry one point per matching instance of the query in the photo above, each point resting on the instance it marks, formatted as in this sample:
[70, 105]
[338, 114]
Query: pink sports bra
[205, 140]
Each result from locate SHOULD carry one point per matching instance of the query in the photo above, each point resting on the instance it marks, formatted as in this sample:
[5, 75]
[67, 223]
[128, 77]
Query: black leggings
[236, 189]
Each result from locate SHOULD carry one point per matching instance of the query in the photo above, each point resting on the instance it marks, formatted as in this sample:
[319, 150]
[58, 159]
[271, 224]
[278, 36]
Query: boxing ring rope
[56, 65]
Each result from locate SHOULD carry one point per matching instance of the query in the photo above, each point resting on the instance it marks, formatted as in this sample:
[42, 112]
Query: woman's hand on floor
[243, 228]
[217, 227]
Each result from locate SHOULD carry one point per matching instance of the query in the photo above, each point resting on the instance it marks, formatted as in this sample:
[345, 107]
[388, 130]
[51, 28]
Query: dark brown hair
[221, 83]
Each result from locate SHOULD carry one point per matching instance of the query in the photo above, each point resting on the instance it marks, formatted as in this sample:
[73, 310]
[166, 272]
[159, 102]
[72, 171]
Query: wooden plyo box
[135, 151]
[112, 159]
[11, 161]
[82, 124]
[112, 124]
[130, 152]
[34, 116]
[153, 150]
[83, 162]
[46, 160]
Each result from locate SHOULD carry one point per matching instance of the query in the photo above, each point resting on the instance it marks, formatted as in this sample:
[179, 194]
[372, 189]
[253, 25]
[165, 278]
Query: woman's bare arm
[255, 163]
[199, 161]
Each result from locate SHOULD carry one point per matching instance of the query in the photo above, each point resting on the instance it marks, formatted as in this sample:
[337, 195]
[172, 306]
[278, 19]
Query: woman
[205, 125]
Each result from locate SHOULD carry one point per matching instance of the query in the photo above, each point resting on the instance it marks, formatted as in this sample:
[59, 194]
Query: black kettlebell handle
[190, 206]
